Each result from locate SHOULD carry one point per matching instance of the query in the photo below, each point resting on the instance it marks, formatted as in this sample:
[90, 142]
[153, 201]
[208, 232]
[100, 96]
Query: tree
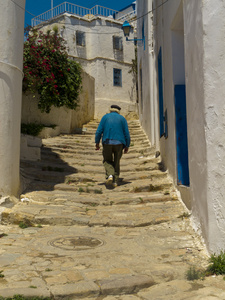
[49, 71]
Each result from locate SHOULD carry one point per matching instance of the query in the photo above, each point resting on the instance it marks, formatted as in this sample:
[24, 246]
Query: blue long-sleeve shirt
[113, 126]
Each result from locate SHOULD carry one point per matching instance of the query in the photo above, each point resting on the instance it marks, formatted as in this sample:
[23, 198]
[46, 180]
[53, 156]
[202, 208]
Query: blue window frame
[117, 77]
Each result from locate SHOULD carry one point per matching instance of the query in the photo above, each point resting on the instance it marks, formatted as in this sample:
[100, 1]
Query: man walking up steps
[114, 132]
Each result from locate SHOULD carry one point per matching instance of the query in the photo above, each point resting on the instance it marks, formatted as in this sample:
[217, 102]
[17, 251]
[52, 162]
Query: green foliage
[98, 191]
[21, 297]
[48, 270]
[25, 224]
[184, 215]
[31, 128]
[49, 71]
[1, 274]
[217, 264]
[134, 69]
[193, 274]
[34, 128]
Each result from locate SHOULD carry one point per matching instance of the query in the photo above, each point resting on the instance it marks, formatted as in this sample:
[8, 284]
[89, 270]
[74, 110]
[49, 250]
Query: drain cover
[76, 243]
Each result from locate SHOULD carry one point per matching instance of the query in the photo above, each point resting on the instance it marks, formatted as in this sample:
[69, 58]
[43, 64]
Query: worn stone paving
[85, 241]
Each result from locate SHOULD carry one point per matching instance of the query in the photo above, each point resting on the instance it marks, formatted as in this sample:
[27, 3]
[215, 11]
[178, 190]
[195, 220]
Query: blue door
[160, 86]
[181, 135]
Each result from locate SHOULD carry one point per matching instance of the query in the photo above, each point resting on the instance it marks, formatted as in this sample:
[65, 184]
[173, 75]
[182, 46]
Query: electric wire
[150, 11]
[135, 19]
[24, 9]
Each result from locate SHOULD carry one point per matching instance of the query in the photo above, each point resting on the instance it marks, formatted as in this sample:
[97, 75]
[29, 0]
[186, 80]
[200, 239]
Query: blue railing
[73, 9]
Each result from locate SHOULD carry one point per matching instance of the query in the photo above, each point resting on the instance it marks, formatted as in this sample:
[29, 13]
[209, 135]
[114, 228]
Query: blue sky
[37, 7]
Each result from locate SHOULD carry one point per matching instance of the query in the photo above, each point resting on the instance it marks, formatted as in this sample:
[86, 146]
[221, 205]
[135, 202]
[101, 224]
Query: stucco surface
[191, 36]
[214, 71]
[11, 60]
[68, 120]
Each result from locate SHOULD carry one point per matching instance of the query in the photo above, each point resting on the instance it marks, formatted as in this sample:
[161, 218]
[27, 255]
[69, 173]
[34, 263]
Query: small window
[117, 77]
[80, 38]
[117, 43]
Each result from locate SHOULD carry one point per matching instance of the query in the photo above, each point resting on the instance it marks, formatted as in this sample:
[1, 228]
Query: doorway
[178, 53]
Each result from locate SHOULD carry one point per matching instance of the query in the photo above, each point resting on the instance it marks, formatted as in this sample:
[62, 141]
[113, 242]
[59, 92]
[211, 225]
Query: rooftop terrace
[70, 8]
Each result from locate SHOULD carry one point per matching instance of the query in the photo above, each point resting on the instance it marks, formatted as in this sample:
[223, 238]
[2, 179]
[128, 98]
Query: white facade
[148, 109]
[127, 13]
[11, 75]
[91, 41]
[190, 35]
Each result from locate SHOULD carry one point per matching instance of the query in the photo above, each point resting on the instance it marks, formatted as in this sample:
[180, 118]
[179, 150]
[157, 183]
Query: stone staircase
[86, 241]
[71, 172]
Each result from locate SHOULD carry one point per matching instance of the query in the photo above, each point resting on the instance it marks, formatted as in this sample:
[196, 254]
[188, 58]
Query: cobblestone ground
[85, 241]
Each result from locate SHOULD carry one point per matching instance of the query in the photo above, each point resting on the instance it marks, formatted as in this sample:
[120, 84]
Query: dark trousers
[111, 160]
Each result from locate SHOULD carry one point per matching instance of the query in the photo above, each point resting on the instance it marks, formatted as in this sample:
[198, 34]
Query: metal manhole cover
[76, 243]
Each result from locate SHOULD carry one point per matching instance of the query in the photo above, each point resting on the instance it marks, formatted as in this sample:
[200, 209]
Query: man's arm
[126, 135]
[98, 134]
[126, 150]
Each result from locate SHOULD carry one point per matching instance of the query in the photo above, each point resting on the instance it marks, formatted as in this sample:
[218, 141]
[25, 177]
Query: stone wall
[68, 120]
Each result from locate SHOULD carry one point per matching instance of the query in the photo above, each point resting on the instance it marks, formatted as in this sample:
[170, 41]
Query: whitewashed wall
[129, 9]
[211, 213]
[147, 91]
[98, 58]
[191, 34]
[67, 119]
[194, 64]
[11, 65]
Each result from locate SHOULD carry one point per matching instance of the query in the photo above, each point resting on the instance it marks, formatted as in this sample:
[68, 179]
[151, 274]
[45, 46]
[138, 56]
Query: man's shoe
[109, 181]
[115, 184]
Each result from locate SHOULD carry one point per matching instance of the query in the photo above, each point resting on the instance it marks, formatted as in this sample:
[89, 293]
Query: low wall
[67, 119]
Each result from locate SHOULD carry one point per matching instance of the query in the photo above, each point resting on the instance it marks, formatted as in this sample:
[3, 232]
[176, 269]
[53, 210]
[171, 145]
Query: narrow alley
[70, 237]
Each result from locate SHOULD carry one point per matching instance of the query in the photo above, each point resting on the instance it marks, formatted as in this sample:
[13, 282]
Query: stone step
[133, 132]
[86, 139]
[146, 150]
[95, 123]
[134, 152]
[91, 187]
[89, 150]
[61, 172]
[47, 155]
[69, 197]
[124, 216]
[59, 144]
[75, 165]
[48, 180]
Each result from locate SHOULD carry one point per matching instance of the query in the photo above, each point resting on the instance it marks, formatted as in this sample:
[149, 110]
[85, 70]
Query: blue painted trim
[181, 135]
[160, 87]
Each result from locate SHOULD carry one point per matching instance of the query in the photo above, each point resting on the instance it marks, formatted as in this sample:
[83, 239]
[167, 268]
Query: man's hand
[97, 147]
[126, 150]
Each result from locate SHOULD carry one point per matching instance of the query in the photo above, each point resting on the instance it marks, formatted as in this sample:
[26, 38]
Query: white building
[181, 74]
[128, 13]
[11, 76]
[96, 40]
